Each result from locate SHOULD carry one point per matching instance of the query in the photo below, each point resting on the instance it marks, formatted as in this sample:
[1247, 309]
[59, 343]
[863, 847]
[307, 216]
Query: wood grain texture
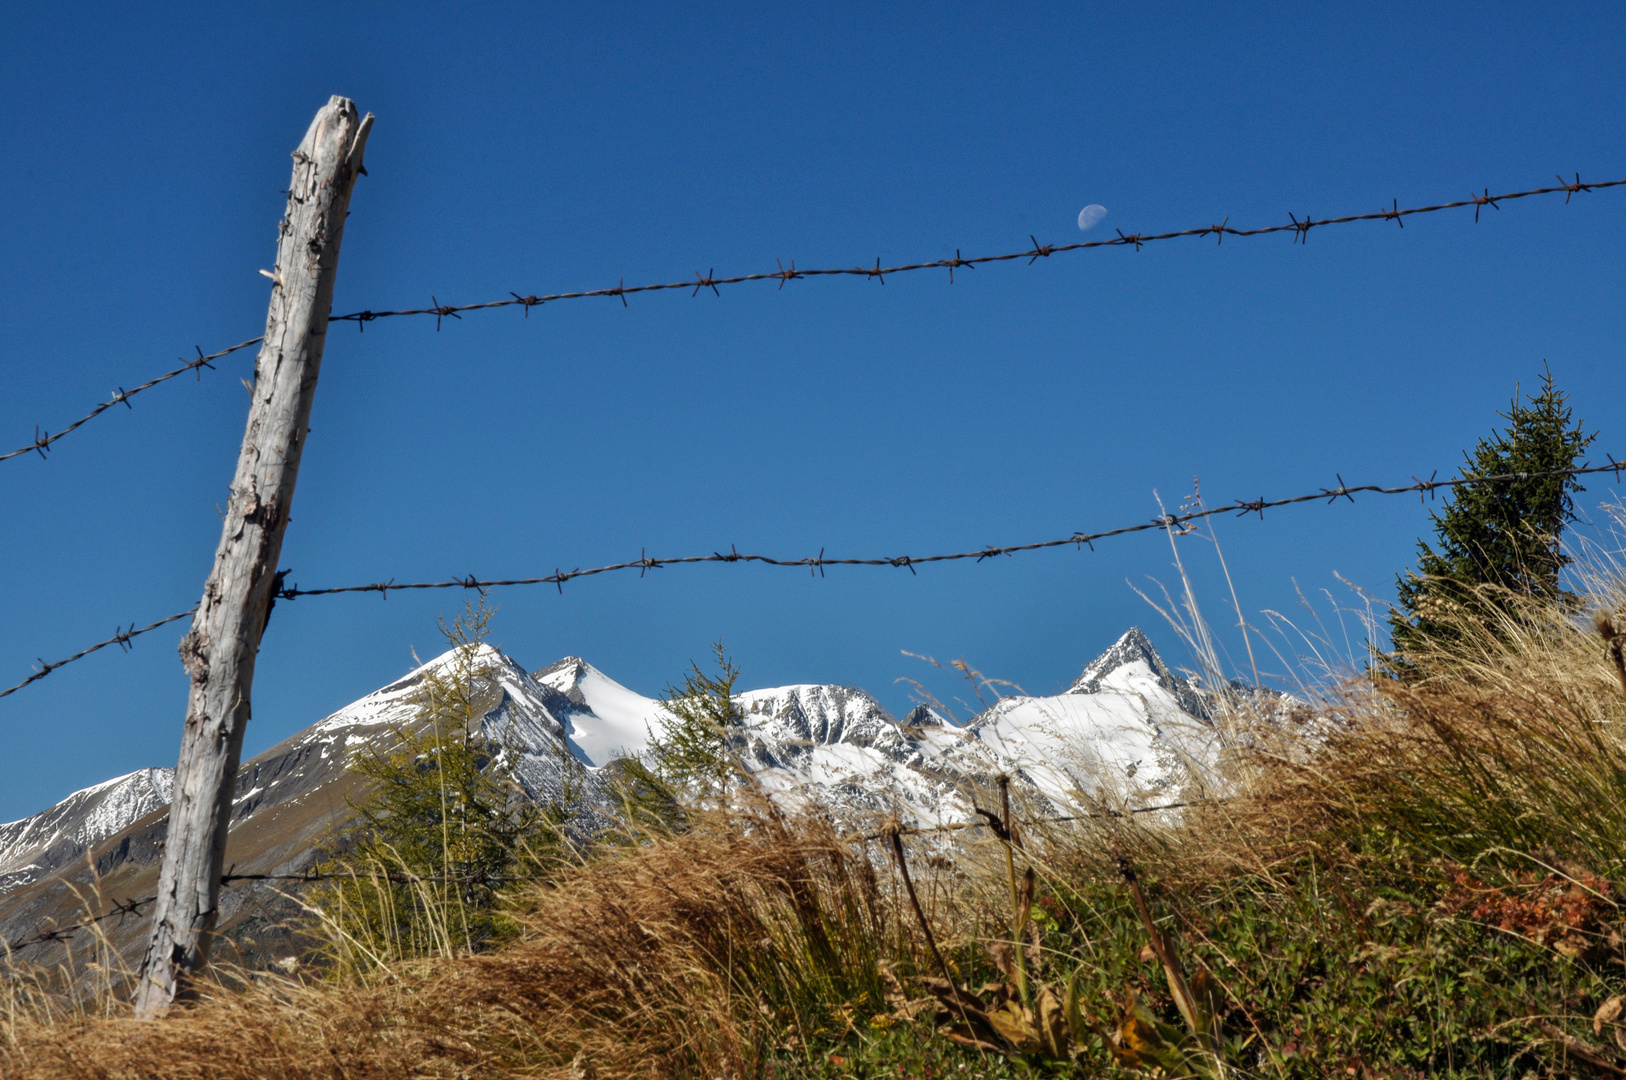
[219, 650]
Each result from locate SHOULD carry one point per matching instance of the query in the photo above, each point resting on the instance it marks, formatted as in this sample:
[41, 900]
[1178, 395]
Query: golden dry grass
[749, 941]
[689, 955]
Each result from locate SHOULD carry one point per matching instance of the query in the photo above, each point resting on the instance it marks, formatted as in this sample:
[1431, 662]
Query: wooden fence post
[219, 650]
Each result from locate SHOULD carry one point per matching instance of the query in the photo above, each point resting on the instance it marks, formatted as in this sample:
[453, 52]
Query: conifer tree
[446, 829]
[1500, 540]
[697, 752]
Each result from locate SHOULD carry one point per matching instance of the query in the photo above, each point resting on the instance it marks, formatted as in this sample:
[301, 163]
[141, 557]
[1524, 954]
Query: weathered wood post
[218, 652]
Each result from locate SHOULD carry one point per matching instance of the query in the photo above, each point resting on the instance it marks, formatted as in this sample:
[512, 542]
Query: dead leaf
[966, 1036]
[1015, 1026]
[1053, 1024]
[1608, 1015]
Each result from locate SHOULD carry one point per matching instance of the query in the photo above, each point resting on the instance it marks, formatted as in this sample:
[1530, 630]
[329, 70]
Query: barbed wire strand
[1300, 228]
[121, 638]
[43, 439]
[123, 909]
[815, 564]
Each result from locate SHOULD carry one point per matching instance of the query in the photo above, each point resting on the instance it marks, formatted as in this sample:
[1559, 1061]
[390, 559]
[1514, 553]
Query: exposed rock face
[290, 800]
[1136, 647]
[37, 845]
[1129, 732]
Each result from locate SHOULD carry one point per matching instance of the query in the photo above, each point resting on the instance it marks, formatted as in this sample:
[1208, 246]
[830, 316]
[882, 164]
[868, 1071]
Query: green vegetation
[692, 761]
[447, 832]
[697, 752]
[1493, 541]
[1408, 877]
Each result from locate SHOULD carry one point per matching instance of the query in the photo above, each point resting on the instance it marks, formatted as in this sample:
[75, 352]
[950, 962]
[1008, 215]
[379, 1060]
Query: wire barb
[1133, 238]
[442, 311]
[1300, 228]
[529, 302]
[1571, 189]
[705, 282]
[1176, 523]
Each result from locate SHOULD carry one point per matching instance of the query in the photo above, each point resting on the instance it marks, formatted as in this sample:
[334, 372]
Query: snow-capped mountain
[1128, 731]
[289, 802]
[51, 839]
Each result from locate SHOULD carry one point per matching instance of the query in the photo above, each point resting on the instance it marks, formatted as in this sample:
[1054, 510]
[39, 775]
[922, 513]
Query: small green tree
[697, 752]
[1496, 539]
[446, 830]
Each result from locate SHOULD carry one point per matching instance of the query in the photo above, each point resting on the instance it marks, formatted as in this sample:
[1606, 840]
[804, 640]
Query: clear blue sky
[548, 148]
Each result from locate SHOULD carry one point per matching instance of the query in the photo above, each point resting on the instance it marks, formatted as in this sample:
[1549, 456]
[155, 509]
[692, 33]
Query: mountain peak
[1132, 646]
[565, 677]
[1135, 647]
[36, 845]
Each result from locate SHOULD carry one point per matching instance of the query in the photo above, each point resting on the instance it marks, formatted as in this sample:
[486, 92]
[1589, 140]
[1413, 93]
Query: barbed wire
[121, 638]
[43, 439]
[123, 909]
[1300, 228]
[815, 564]
[126, 908]
[956, 826]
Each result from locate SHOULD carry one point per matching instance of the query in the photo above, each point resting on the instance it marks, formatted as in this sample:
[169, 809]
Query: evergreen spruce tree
[446, 829]
[1494, 541]
[697, 752]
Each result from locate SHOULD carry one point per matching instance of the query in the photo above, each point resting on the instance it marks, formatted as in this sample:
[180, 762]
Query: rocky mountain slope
[37, 845]
[1129, 731]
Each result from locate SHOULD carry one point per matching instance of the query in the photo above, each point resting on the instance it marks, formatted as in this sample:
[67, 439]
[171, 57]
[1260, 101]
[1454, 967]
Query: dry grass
[693, 955]
[1407, 879]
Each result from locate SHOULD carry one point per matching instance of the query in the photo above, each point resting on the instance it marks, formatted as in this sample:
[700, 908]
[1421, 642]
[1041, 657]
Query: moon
[1090, 216]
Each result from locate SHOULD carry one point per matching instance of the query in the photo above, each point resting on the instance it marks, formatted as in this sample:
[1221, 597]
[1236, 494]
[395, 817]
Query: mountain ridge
[1120, 733]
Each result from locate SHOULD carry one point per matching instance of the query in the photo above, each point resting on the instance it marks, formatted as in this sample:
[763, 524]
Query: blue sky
[549, 148]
